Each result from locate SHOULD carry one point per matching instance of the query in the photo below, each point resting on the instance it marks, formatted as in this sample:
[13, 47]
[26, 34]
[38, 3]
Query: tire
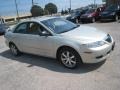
[76, 21]
[69, 58]
[93, 20]
[116, 17]
[14, 50]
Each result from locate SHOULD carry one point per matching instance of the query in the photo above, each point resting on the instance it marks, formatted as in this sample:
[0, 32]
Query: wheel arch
[14, 44]
[65, 46]
[11, 43]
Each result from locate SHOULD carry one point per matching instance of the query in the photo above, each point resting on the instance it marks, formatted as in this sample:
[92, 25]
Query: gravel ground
[29, 72]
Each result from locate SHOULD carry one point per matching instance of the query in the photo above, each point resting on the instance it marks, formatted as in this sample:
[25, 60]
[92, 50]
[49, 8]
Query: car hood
[85, 15]
[85, 34]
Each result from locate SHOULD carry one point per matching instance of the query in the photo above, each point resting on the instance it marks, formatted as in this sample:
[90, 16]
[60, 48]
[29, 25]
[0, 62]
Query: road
[29, 72]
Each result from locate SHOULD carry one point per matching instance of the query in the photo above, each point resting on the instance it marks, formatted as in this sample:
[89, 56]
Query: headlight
[96, 44]
[113, 13]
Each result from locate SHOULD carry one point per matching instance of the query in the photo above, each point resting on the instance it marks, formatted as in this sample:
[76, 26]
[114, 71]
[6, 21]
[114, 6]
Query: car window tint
[34, 28]
[21, 28]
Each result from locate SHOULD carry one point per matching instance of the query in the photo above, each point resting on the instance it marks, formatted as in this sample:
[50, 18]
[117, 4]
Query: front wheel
[14, 50]
[93, 20]
[76, 20]
[116, 17]
[69, 58]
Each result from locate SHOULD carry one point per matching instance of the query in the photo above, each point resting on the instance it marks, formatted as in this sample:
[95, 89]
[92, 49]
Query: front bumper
[98, 54]
[86, 19]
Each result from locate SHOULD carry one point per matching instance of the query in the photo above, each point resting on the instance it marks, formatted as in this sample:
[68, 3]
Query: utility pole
[94, 3]
[17, 10]
[70, 5]
[32, 2]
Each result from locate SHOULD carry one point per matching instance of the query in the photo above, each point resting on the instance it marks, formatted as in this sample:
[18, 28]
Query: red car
[91, 15]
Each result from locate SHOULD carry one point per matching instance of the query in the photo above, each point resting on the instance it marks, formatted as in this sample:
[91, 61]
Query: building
[109, 2]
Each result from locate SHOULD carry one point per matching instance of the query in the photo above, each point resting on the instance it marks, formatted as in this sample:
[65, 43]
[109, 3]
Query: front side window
[21, 28]
[36, 29]
[33, 28]
[58, 25]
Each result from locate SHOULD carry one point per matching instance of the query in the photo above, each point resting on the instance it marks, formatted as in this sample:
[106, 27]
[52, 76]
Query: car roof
[38, 19]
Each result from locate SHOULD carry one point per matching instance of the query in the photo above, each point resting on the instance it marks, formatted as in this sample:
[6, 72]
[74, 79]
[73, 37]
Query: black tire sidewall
[18, 52]
[116, 16]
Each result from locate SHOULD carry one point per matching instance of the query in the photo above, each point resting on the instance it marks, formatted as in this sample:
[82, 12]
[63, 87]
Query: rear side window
[21, 28]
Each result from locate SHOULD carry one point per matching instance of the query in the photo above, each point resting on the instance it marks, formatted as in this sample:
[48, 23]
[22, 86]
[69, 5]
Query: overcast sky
[7, 7]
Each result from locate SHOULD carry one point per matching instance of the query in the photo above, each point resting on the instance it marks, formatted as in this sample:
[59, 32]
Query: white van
[3, 26]
[2, 21]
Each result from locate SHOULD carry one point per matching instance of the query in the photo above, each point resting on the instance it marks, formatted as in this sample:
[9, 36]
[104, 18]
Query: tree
[46, 12]
[66, 12]
[37, 11]
[62, 12]
[52, 8]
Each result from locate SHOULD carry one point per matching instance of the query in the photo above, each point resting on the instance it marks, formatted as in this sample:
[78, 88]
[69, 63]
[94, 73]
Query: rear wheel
[77, 21]
[93, 20]
[69, 58]
[116, 17]
[14, 49]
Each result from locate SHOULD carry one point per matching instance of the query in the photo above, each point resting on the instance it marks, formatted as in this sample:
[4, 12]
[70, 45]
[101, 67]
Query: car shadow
[50, 64]
[105, 21]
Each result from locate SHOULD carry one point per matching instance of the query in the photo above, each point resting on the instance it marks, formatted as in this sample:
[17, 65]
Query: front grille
[108, 38]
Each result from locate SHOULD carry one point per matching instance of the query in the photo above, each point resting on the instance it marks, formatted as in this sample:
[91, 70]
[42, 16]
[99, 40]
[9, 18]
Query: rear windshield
[90, 11]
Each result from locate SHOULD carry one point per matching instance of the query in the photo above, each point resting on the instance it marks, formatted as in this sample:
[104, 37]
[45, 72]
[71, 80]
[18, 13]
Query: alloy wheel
[13, 49]
[116, 18]
[77, 21]
[93, 20]
[68, 59]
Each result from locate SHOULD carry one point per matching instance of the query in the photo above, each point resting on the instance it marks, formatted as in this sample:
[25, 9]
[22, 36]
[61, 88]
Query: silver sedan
[57, 38]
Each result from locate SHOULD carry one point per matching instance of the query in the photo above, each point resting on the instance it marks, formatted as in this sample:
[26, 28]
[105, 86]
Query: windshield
[90, 11]
[59, 25]
[111, 8]
[75, 13]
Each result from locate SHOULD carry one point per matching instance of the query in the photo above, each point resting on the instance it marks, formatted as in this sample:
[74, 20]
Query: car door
[19, 35]
[38, 40]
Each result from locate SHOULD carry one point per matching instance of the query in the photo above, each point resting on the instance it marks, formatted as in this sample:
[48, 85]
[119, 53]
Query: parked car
[65, 16]
[58, 38]
[91, 15]
[3, 27]
[75, 16]
[111, 13]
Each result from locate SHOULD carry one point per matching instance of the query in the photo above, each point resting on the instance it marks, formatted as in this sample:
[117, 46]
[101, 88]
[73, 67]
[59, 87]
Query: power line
[32, 2]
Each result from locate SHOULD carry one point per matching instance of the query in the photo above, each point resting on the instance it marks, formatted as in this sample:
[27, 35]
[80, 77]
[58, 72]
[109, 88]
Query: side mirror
[45, 33]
